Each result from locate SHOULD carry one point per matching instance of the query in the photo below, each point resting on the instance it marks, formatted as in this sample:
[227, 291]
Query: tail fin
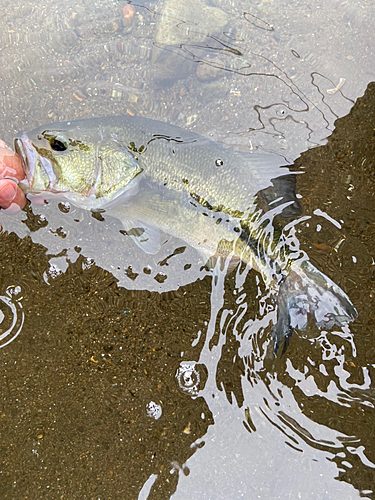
[307, 290]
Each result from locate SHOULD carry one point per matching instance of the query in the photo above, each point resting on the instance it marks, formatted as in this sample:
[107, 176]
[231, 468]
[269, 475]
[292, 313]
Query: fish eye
[58, 143]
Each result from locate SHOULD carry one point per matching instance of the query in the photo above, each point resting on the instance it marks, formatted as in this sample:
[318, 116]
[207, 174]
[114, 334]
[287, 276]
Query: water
[135, 376]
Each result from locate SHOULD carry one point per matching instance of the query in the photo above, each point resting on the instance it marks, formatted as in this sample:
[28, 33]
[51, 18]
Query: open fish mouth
[27, 152]
[31, 161]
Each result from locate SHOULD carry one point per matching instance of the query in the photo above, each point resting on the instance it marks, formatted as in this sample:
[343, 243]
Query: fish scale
[158, 178]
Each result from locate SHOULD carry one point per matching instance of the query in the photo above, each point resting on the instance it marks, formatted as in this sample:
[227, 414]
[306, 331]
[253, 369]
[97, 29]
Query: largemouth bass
[157, 178]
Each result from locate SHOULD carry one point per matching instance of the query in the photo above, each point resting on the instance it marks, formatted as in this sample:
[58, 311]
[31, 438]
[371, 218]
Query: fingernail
[8, 192]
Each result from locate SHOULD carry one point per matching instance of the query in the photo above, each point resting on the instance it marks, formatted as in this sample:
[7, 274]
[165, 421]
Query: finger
[10, 194]
[20, 199]
[10, 164]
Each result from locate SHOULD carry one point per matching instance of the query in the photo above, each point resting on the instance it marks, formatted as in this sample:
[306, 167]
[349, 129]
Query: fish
[159, 179]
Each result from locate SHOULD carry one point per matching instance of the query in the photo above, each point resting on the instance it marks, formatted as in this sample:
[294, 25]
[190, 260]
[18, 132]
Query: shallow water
[134, 376]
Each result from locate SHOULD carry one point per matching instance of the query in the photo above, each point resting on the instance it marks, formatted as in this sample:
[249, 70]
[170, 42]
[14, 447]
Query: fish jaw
[40, 175]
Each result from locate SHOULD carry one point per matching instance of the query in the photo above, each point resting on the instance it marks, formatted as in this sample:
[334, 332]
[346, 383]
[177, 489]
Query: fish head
[76, 164]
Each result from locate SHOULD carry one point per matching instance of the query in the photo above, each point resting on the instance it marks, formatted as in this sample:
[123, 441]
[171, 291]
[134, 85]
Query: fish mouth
[31, 160]
[28, 159]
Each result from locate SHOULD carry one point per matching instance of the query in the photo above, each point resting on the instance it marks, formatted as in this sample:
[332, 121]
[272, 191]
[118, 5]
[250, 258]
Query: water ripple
[11, 312]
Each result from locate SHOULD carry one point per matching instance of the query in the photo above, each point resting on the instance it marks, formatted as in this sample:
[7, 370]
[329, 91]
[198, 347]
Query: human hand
[11, 171]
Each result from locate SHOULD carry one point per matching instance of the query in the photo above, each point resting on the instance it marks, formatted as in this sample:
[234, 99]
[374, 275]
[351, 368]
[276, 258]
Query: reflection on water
[318, 398]
[116, 390]
[271, 85]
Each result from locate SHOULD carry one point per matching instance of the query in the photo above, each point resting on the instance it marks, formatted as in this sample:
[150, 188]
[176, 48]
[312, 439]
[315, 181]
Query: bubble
[281, 112]
[153, 410]
[191, 377]
[11, 315]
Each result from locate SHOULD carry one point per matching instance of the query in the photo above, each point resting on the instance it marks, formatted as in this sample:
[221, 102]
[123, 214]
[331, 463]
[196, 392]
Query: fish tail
[308, 291]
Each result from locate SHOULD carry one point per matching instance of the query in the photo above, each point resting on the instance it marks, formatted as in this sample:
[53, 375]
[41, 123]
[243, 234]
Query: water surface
[138, 376]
